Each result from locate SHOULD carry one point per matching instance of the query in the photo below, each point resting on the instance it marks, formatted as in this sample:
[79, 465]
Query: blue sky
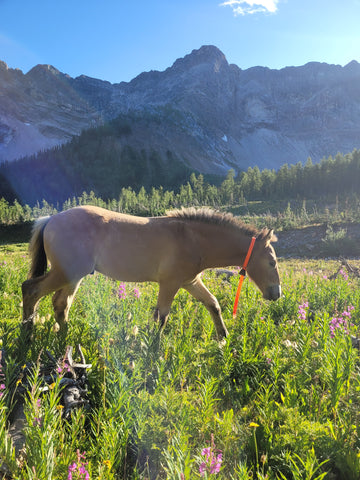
[115, 40]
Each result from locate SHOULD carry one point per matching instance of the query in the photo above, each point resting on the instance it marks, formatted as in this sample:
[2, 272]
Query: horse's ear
[267, 236]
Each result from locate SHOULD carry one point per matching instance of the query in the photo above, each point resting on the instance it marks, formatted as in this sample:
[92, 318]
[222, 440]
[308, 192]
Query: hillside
[212, 115]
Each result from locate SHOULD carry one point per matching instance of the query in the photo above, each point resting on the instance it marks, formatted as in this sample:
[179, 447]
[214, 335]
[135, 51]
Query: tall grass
[280, 400]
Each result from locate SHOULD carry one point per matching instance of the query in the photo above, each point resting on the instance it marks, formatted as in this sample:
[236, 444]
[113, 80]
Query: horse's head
[263, 268]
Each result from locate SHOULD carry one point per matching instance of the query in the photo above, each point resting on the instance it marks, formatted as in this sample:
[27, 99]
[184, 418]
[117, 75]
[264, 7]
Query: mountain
[211, 114]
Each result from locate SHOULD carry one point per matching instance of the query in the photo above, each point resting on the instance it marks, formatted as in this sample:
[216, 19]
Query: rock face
[210, 113]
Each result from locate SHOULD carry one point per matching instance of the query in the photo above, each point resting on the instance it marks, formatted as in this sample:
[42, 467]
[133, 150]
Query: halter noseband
[242, 275]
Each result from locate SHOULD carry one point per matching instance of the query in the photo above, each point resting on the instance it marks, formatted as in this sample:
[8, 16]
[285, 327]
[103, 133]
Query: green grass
[280, 399]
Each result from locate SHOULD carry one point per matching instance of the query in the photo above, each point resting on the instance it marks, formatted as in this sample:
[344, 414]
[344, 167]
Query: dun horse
[172, 250]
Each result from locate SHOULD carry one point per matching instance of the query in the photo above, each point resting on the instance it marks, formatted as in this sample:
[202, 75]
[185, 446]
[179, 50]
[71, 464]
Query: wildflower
[206, 452]
[37, 422]
[213, 461]
[59, 407]
[52, 386]
[344, 274]
[122, 291]
[216, 464]
[107, 463]
[136, 292]
[77, 470]
[302, 311]
[253, 424]
[2, 386]
[341, 322]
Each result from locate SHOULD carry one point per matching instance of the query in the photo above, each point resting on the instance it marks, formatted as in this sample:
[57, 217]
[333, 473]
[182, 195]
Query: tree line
[289, 192]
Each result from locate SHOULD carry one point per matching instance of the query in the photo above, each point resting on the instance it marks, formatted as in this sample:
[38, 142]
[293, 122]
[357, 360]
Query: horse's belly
[130, 269]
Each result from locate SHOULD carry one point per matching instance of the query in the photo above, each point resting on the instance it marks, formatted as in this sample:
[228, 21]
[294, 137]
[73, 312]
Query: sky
[116, 40]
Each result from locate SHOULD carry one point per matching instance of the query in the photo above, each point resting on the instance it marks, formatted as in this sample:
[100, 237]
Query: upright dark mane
[208, 215]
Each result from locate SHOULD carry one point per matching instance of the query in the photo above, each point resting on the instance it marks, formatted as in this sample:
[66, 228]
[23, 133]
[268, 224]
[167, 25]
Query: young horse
[172, 250]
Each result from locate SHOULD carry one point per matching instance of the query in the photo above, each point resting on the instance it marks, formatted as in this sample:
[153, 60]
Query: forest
[300, 190]
[101, 160]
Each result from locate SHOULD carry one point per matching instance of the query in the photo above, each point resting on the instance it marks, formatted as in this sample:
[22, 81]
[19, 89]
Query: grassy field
[280, 400]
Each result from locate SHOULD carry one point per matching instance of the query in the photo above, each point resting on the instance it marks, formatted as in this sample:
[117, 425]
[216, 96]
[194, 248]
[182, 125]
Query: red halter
[242, 275]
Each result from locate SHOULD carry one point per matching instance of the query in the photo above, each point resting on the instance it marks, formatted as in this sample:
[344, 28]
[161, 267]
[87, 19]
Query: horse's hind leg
[166, 295]
[36, 288]
[62, 300]
[198, 290]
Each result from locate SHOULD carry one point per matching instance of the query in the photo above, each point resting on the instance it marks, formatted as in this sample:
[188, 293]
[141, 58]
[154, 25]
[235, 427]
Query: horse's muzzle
[273, 292]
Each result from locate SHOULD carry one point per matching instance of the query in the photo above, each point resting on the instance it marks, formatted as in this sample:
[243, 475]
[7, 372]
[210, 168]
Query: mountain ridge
[212, 114]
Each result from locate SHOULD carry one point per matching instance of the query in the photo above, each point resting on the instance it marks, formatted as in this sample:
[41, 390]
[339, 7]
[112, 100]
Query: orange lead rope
[242, 275]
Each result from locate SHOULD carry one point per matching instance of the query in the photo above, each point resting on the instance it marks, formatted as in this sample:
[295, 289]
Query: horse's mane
[208, 215]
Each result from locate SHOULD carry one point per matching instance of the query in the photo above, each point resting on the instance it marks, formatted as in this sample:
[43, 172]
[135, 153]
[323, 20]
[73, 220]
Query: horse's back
[125, 247]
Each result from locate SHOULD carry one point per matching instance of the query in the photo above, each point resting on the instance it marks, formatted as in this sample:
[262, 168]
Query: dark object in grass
[72, 378]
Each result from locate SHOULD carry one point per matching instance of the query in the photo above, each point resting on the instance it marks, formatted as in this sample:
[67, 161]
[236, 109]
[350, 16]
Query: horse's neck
[223, 247]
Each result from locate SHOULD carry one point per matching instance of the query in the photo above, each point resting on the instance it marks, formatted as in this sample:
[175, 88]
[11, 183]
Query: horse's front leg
[167, 292]
[198, 290]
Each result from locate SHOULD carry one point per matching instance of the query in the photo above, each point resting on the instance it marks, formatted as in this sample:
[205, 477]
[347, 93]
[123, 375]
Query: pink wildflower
[122, 291]
[77, 471]
[213, 461]
[136, 293]
[302, 311]
[341, 323]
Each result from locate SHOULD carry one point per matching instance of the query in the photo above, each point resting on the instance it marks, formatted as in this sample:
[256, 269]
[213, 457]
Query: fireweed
[342, 322]
[77, 470]
[302, 311]
[213, 461]
[122, 291]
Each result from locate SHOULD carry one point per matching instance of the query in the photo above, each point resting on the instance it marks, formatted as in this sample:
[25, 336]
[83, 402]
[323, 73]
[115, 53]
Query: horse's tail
[36, 249]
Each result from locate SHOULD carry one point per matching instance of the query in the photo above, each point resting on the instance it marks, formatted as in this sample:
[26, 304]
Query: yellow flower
[59, 407]
[253, 424]
[52, 386]
[107, 463]
[18, 382]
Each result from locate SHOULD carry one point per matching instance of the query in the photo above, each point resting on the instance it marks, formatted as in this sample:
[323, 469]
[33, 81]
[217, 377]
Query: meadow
[279, 400]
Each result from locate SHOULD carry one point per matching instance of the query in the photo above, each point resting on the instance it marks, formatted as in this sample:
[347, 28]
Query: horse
[172, 250]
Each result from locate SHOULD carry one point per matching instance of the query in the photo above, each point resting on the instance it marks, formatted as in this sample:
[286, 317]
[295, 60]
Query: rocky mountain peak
[207, 54]
[45, 72]
[3, 66]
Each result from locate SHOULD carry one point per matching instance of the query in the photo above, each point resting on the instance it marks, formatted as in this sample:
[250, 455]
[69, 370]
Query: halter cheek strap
[242, 274]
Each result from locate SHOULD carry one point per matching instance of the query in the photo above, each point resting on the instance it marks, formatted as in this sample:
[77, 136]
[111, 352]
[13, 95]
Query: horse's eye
[272, 263]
